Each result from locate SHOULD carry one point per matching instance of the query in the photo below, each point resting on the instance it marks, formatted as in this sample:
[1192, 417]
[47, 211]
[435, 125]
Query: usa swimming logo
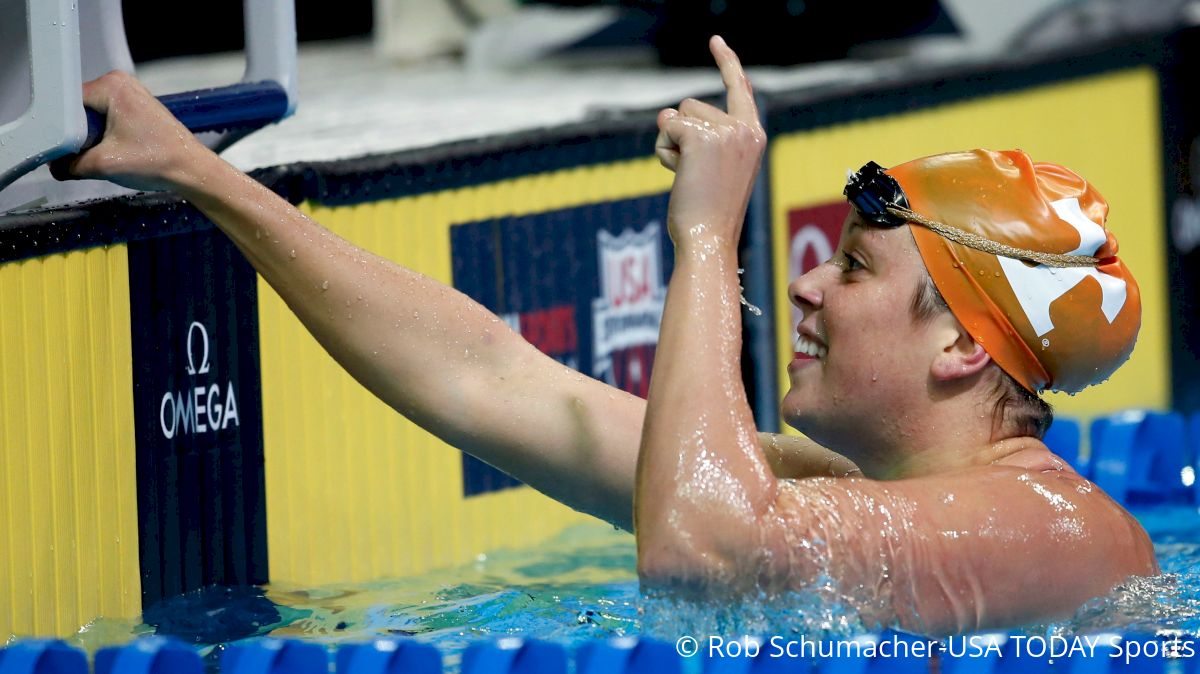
[627, 315]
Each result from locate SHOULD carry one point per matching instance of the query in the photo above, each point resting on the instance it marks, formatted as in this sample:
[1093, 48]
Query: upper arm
[576, 438]
[568, 435]
[983, 547]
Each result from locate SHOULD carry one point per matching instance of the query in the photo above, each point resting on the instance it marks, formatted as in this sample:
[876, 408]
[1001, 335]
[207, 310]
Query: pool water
[582, 585]
[578, 586]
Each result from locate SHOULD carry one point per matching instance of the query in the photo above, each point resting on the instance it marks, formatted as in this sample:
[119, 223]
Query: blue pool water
[582, 585]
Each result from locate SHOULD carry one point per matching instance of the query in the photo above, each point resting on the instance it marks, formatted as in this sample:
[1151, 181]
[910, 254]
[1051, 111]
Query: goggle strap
[986, 245]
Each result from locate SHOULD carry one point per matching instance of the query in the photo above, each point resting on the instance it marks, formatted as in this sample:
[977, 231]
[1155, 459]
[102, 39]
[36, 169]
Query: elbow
[675, 573]
[679, 567]
[705, 552]
[688, 543]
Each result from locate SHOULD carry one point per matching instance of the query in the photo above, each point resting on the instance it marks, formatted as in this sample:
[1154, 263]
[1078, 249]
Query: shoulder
[1040, 469]
[1060, 512]
[964, 538]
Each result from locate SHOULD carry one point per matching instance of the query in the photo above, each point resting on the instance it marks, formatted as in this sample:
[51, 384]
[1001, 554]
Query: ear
[960, 355]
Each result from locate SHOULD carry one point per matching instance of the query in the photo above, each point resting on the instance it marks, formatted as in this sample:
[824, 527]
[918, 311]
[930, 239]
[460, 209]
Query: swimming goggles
[880, 200]
[872, 192]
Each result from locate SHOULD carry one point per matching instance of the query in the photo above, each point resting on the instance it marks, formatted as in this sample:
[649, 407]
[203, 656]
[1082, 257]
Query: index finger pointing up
[737, 86]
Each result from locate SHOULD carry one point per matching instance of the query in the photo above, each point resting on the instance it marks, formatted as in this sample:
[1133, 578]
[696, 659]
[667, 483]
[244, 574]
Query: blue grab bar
[236, 107]
[56, 124]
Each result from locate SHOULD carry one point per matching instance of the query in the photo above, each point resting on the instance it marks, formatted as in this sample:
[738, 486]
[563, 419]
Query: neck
[944, 435]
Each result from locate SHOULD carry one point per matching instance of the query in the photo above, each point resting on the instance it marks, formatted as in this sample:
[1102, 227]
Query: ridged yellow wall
[68, 500]
[355, 491]
[1106, 128]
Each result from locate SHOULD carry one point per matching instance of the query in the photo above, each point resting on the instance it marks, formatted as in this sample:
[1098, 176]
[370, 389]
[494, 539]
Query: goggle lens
[871, 192]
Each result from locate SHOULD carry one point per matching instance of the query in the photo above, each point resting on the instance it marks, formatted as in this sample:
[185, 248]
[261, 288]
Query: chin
[825, 428]
[801, 404]
[799, 416]
[791, 411]
[807, 425]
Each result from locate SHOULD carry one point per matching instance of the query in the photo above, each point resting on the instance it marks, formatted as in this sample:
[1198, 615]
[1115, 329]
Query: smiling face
[860, 393]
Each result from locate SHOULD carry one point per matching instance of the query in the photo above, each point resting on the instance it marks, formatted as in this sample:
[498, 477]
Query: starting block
[53, 46]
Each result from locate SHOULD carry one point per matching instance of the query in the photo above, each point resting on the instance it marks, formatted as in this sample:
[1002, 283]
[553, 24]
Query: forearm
[393, 329]
[704, 485]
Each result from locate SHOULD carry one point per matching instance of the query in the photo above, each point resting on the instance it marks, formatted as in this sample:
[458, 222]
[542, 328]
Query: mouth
[807, 348]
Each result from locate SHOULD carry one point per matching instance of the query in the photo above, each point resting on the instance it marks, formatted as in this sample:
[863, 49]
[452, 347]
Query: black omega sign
[198, 414]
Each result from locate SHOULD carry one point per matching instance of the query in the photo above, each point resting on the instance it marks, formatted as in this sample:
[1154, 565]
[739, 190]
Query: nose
[807, 290]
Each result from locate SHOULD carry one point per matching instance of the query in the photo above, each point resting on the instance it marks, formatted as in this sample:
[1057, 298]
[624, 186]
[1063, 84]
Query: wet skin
[939, 528]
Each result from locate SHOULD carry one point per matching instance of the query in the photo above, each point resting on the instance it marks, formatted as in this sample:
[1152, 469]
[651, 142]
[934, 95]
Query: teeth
[810, 348]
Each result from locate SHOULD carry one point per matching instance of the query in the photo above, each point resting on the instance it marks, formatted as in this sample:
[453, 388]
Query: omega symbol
[191, 350]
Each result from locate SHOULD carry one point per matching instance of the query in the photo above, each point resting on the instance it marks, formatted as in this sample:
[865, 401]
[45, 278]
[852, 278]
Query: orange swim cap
[1058, 329]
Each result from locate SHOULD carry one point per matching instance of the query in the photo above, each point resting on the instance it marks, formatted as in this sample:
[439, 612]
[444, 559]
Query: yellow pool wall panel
[354, 490]
[68, 499]
[1106, 128]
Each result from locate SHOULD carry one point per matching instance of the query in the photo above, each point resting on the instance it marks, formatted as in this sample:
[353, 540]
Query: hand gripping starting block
[50, 47]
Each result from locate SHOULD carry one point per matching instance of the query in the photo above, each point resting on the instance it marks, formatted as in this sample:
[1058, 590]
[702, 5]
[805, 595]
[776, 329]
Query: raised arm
[701, 475]
[425, 349]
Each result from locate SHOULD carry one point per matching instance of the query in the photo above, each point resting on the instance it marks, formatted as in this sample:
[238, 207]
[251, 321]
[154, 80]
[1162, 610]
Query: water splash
[742, 296]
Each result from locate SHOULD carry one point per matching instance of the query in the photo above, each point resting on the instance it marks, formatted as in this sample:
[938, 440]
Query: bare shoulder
[1047, 474]
[964, 538]
[1051, 529]
[1040, 480]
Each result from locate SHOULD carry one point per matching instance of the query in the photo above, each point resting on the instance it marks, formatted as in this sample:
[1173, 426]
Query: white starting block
[48, 48]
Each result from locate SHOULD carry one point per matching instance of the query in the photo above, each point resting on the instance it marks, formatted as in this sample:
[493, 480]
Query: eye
[850, 263]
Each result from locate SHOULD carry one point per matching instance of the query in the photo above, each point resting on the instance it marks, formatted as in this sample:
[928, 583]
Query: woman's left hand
[715, 155]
